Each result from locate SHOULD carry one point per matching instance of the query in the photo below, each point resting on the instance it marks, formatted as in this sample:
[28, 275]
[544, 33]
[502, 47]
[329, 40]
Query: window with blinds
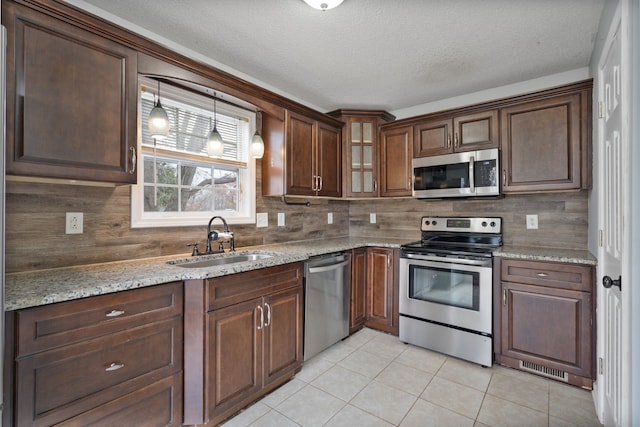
[178, 183]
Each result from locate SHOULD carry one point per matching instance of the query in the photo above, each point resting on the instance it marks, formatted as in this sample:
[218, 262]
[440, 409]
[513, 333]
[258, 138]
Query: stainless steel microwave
[467, 174]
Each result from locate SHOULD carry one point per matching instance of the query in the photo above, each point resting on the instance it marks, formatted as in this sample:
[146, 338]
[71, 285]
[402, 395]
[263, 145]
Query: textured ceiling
[378, 54]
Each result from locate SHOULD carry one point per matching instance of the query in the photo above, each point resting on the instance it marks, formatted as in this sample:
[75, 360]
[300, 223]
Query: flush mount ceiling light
[158, 120]
[215, 144]
[323, 4]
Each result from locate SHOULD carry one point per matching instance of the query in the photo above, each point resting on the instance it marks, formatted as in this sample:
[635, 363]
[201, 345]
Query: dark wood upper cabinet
[545, 143]
[361, 151]
[303, 157]
[71, 100]
[443, 135]
[396, 146]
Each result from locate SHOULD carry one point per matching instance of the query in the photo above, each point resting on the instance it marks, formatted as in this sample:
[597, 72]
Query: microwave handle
[472, 184]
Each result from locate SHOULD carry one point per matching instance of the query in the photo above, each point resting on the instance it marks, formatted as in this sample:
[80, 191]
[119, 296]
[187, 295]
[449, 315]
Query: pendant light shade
[323, 4]
[256, 150]
[215, 143]
[158, 120]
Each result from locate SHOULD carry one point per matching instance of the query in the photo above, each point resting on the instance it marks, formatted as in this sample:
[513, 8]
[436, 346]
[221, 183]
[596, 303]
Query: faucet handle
[195, 251]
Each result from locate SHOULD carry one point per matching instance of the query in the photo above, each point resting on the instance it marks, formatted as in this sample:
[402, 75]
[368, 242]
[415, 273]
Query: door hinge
[600, 109]
[601, 238]
[600, 366]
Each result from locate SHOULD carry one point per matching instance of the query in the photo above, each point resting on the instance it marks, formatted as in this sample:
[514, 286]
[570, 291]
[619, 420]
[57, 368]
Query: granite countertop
[547, 254]
[34, 288]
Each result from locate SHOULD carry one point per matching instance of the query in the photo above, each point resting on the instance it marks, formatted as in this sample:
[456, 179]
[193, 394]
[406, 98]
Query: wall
[36, 220]
[562, 217]
[36, 216]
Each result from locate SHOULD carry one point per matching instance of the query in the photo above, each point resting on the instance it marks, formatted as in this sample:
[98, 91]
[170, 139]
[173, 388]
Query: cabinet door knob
[114, 366]
[115, 313]
[608, 282]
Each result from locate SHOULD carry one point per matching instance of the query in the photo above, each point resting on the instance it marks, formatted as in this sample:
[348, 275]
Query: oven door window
[439, 177]
[448, 286]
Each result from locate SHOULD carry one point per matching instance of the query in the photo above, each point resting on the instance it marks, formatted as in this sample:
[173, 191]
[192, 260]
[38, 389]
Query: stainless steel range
[446, 284]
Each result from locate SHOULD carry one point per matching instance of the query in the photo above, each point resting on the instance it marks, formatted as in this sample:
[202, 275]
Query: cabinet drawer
[236, 288]
[159, 404]
[557, 275]
[46, 327]
[56, 384]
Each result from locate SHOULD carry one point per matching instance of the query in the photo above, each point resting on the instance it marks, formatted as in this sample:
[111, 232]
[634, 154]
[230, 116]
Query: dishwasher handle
[329, 267]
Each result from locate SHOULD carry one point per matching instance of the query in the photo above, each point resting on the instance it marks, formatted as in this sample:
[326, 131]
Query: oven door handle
[479, 262]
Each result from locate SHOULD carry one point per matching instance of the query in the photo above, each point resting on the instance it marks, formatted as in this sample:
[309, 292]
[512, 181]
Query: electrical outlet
[73, 223]
[532, 222]
[372, 218]
[280, 219]
[262, 220]
[330, 218]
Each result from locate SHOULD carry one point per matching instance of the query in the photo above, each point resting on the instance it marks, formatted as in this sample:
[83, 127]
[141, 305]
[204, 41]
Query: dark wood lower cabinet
[547, 320]
[109, 360]
[382, 289]
[358, 312]
[243, 338]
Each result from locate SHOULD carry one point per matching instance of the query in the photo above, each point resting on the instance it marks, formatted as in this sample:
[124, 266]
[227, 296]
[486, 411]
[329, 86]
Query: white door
[611, 292]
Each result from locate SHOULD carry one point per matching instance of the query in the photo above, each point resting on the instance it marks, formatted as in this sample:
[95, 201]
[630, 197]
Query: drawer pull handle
[114, 366]
[543, 275]
[115, 313]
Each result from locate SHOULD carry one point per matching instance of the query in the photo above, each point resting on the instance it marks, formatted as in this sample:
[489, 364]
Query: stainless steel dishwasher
[327, 298]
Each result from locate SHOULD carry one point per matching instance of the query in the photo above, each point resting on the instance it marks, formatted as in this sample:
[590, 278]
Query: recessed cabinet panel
[432, 137]
[395, 171]
[542, 145]
[71, 101]
[301, 134]
[237, 372]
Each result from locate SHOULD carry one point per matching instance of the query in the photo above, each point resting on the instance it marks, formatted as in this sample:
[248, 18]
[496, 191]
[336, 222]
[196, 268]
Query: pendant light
[215, 144]
[256, 149]
[323, 4]
[158, 120]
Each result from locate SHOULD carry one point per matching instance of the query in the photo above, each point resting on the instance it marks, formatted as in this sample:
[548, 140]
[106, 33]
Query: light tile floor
[373, 379]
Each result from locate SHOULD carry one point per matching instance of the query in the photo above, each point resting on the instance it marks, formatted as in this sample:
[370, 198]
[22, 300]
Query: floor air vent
[556, 374]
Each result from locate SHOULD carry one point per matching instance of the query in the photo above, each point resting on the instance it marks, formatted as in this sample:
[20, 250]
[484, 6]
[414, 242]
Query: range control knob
[427, 222]
[484, 223]
[434, 222]
[493, 224]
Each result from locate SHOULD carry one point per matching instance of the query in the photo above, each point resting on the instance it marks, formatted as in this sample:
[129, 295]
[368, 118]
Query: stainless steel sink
[221, 260]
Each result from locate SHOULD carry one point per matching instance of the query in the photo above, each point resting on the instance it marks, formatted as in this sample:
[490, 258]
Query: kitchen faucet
[226, 235]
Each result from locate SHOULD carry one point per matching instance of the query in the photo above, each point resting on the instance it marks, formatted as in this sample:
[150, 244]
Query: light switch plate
[372, 218]
[73, 223]
[280, 219]
[330, 218]
[532, 222]
[262, 220]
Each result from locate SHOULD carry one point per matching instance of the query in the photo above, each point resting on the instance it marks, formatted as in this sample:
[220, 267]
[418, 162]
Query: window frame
[246, 213]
